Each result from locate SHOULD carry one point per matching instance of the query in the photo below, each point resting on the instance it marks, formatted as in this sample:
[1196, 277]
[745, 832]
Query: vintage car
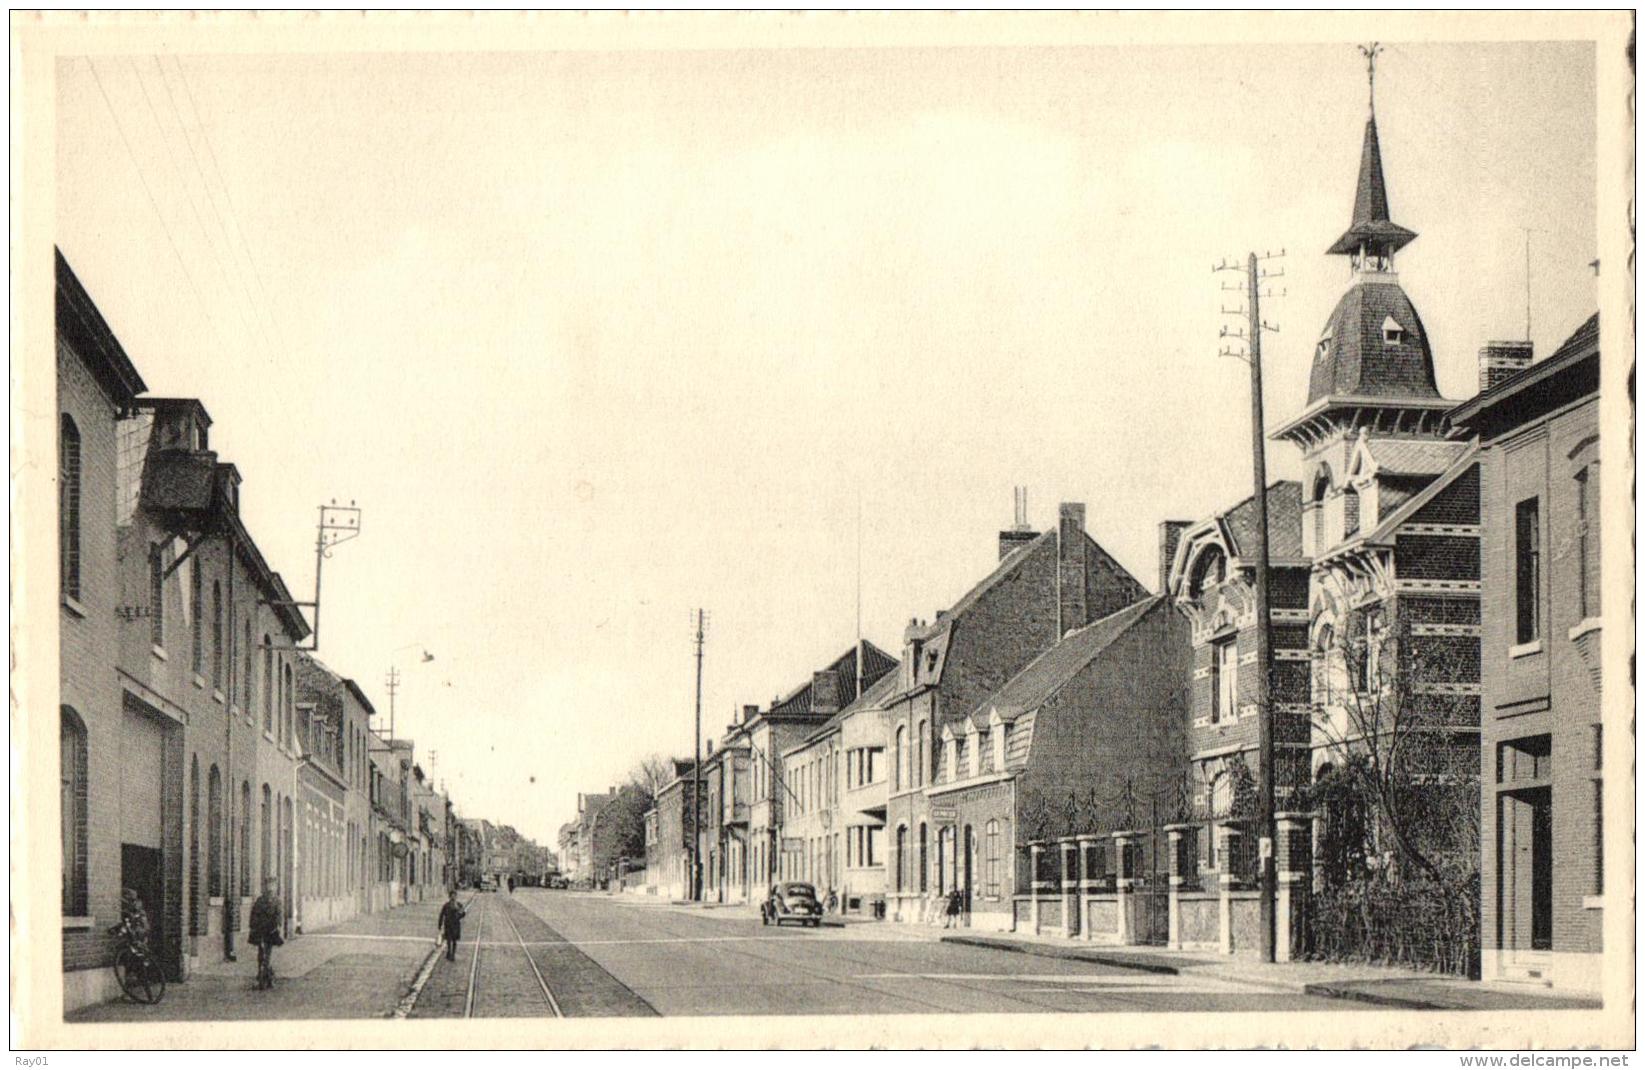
[791, 901]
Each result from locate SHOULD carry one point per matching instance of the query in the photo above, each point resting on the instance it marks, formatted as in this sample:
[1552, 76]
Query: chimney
[1071, 553]
[825, 691]
[750, 712]
[1170, 533]
[1019, 534]
[1499, 360]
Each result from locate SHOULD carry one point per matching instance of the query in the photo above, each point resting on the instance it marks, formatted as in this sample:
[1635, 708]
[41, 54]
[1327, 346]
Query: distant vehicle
[556, 881]
[487, 884]
[791, 901]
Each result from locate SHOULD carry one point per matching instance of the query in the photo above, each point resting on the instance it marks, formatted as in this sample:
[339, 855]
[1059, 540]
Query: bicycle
[139, 973]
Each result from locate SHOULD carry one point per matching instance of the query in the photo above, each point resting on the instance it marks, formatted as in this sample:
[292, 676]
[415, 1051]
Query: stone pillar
[1177, 837]
[1123, 881]
[1069, 885]
[1088, 883]
[1293, 864]
[1035, 885]
[1228, 835]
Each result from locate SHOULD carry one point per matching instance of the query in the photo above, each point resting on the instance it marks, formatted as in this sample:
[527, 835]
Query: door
[1525, 890]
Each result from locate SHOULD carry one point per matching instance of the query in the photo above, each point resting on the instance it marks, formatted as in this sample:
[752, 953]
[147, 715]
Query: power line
[178, 172]
[211, 201]
[141, 178]
[228, 198]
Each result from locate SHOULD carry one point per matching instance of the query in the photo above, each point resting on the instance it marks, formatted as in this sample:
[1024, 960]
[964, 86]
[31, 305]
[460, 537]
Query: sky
[597, 338]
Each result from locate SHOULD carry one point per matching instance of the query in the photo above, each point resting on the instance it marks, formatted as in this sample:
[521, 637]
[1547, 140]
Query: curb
[409, 1000]
[1334, 991]
[1077, 954]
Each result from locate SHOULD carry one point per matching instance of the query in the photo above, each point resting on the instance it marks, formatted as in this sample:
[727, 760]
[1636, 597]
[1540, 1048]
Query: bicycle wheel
[140, 976]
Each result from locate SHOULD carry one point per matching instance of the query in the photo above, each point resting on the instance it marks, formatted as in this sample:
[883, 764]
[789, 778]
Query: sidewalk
[1383, 985]
[357, 969]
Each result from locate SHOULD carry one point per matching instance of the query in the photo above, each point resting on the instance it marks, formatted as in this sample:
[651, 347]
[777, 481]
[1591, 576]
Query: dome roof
[1374, 346]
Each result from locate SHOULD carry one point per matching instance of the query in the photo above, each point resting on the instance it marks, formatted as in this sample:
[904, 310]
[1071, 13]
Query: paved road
[687, 962]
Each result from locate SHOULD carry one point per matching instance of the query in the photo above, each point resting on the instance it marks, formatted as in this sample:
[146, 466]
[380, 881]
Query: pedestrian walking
[833, 902]
[953, 909]
[266, 926]
[451, 924]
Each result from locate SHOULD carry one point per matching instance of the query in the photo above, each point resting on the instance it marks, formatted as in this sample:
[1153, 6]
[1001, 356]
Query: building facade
[1542, 821]
[1045, 585]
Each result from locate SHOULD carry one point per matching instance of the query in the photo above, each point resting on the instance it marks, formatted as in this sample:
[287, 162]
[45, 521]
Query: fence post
[1174, 838]
[1088, 883]
[1034, 883]
[1069, 886]
[1229, 834]
[1292, 864]
[1125, 877]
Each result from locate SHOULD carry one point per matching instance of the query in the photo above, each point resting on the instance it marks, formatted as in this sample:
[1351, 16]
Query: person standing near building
[450, 924]
[266, 924]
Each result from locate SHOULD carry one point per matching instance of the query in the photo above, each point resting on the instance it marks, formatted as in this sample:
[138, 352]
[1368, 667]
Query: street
[545, 954]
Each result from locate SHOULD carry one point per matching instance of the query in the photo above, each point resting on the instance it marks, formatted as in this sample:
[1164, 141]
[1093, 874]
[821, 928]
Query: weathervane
[1370, 52]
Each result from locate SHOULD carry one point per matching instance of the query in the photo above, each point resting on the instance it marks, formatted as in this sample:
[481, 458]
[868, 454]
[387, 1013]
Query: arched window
[250, 672]
[68, 507]
[194, 873]
[291, 706]
[902, 856]
[266, 862]
[1350, 511]
[1320, 487]
[919, 757]
[897, 773]
[216, 635]
[214, 833]
[157, 594]
[924, 860]
[72, 762]
[991, 858]
[245, 836]
[1207, 571]
[268, 685]
[197, 625]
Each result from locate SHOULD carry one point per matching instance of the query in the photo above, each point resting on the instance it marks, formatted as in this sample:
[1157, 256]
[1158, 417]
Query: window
[924, 859]
[250, 671]
[1224, 679]
[268, 685]
[197, 625]
[1527, 569]
[1367, 658]
[919, 756]
[1350, 511]
[214, 833]
[194, 915]
[68, 507]
[1587, 534]
[872, 834]
[157, 596]
[245, 837]
[290, 710]
[72, 762]
[1598, 882]
[902, 857]
[266, 867]
[216, 635]
[1392, 333]
[991, 856]
[897, 773]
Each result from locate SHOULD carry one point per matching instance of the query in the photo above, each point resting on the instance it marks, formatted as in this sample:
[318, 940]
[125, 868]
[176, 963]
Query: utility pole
[392, 684]
[1252, 336]
[697, 772]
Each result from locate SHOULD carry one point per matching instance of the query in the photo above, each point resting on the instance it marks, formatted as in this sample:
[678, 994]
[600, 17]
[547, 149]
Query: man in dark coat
[451, 924]
[266, 926]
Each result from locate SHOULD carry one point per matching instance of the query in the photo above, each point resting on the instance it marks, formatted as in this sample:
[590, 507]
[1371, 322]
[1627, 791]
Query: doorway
[1525, 881]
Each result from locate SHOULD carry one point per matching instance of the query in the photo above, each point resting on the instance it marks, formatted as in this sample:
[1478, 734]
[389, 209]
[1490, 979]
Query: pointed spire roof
[1371, 226]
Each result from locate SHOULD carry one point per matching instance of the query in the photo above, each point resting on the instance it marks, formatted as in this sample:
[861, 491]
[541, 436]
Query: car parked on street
[791, 901]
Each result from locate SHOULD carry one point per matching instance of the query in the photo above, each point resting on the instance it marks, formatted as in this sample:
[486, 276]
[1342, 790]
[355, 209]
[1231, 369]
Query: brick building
[771, 853]
[668, 849]
[96, 382]
[820, 822]
[334, 721]
[1045, 585]
[1089, 737]
[1542, 828]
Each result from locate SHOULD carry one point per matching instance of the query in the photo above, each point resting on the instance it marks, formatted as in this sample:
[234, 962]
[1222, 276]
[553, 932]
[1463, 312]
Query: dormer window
[1392, 333]
[1323, 346]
